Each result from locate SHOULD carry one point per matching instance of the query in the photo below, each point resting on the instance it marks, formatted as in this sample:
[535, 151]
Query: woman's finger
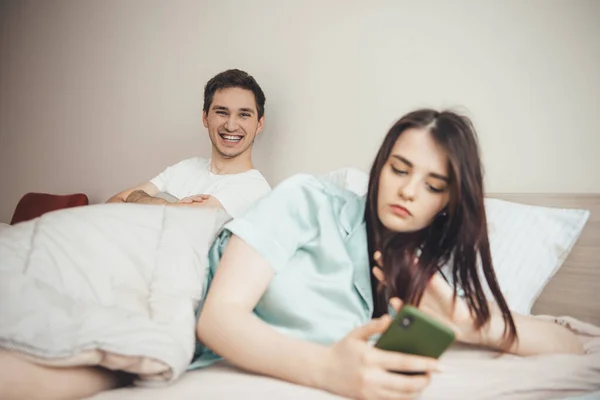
[406, 385]
[400, 362]
[396, 303]
[378, 258]
[378, 273]
[385, 394]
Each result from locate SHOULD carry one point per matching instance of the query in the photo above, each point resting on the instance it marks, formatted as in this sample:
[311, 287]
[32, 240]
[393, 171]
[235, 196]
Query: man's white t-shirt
[236, 192]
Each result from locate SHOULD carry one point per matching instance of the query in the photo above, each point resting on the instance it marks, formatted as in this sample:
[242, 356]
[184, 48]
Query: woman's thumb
[375, 326]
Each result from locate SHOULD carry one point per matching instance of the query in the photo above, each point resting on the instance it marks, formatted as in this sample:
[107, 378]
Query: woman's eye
[435, 189]
[399, 171]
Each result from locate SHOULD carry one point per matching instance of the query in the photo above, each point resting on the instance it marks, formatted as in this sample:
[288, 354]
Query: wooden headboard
[575, 289]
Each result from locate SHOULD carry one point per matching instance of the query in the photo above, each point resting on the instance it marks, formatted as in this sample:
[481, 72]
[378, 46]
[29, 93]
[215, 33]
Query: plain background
[97, 96]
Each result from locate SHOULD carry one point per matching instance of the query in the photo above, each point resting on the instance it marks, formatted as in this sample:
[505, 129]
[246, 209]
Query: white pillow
[349, 178]
[528, 243]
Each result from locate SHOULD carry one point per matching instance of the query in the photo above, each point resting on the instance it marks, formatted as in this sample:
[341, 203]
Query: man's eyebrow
[244, 109]
[432, 174]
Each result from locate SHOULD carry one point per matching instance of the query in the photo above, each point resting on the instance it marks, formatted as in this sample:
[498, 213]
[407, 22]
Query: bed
[572, 290]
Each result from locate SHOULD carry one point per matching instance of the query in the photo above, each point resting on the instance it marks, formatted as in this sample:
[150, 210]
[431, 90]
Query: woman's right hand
[358, 370]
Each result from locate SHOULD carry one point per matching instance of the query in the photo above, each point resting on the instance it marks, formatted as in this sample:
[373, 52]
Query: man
[233, 113]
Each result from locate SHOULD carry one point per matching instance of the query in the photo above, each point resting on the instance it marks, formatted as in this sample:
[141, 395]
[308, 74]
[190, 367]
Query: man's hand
[199, 200]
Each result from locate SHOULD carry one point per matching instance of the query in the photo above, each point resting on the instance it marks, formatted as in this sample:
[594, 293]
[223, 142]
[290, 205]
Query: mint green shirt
[313, 235]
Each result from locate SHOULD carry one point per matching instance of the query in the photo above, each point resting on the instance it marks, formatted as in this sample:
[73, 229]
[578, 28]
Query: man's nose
[231, 124]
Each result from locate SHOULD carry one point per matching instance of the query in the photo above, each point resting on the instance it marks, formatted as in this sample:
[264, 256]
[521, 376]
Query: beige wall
[96, 96]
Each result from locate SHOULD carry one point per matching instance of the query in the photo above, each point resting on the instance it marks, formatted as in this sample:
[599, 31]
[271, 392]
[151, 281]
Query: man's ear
[204, 121]
[260, 126]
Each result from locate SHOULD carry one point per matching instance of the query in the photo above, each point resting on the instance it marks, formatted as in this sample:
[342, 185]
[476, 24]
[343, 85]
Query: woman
[294, 293]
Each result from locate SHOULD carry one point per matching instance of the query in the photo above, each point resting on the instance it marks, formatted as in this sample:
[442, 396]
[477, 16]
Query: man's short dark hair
[234, 78]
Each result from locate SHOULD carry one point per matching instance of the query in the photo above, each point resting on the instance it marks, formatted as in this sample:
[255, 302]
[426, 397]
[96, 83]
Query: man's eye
[221, 112]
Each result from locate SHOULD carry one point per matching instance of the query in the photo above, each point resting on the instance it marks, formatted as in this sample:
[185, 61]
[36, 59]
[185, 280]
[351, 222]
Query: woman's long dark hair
[458, 236]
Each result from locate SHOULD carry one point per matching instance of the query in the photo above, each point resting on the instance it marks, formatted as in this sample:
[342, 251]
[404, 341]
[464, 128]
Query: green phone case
[413, 332]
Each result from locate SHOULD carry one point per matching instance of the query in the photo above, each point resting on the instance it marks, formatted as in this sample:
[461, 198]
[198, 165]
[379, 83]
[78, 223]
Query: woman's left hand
[439, 302]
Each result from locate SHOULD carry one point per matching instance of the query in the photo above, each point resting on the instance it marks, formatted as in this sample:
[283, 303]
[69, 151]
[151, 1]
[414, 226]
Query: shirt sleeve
[282, 221]
[162, 180]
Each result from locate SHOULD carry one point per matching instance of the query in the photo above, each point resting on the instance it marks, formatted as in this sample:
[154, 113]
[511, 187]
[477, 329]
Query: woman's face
[414, 183]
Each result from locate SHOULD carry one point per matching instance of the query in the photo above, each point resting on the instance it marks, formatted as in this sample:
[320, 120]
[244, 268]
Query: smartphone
[413, 332]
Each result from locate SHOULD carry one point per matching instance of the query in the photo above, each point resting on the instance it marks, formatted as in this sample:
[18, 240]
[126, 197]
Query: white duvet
[114, 285]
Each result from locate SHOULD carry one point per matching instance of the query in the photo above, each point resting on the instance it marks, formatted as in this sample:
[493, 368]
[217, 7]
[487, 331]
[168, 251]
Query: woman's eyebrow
[404, 160]
[432, 174]
[440, 177]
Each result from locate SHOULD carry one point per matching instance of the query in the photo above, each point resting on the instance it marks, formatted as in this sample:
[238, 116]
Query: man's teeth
[232, 138]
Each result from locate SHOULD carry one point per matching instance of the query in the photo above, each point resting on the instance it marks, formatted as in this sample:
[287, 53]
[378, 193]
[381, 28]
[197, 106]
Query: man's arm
[142, 194]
